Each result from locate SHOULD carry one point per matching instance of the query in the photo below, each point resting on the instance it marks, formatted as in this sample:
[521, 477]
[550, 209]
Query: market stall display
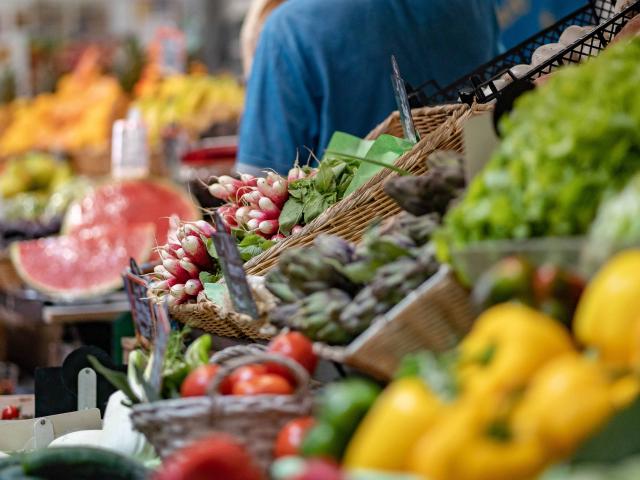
[75, 118]
[380, 313]
[196, 102]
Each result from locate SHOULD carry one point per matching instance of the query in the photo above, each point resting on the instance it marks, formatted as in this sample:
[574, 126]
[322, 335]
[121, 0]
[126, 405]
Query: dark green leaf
[291, 215]
[618, 439]
[206, 277]
[151, 394]
[314, 206]
[251, 246]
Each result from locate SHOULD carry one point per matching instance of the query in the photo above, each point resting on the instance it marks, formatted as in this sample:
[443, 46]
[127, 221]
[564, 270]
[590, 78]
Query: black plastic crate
[470, 87]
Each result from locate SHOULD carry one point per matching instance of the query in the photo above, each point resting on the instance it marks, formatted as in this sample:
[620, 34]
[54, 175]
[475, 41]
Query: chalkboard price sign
[233, 270]
[402, 99]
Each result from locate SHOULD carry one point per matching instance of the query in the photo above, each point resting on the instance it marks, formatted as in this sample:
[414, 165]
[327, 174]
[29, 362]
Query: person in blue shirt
[324, 65]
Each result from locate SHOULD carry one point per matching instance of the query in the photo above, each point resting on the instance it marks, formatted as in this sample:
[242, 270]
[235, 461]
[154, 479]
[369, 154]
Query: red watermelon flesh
[83, 264]
[131, 202]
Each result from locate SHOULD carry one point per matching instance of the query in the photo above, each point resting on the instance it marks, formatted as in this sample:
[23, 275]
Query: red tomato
[246, 373]
[10, 412]
[219, 457]
[197, 382]
[295, 346]
[267, 384]
[291, 436]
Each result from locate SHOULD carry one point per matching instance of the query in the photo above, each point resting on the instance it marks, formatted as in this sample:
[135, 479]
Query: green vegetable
[82, 463]
[566, 146]
[250, 245]
[437, 371]
[322, 441]
[341, 408]
[198, 352]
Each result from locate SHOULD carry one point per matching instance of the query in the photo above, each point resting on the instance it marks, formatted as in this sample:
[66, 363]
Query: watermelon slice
[130, 202]
[83, 264]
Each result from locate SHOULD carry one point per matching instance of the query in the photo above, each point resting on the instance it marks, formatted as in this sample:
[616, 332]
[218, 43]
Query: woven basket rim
[429, 142]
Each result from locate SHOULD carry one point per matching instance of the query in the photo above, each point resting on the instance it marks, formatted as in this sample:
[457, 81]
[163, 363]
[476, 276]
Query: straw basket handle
[230, 353]
[299, 373]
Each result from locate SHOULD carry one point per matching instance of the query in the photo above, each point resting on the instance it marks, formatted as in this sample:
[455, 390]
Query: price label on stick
[163, 330]
[233, 270]
[402, 99]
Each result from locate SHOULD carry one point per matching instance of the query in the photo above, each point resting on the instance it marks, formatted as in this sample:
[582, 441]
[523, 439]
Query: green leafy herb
[251, 246]
[291, 214]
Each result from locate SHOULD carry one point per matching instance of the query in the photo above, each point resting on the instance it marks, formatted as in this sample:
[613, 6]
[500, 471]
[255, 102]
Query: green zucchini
[82, 463]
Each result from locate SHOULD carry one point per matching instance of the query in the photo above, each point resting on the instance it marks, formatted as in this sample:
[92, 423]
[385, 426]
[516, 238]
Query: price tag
[163, 329]
[140, 310]
[168, 50]
[233, 270]
[402, 99]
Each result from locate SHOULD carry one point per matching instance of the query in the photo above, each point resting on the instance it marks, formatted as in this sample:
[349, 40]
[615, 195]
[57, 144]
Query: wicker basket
[351, 217]
[254, 420]
[433, 317]
[219, 321]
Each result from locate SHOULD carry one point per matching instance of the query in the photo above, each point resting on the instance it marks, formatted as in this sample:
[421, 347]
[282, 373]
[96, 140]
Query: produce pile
[186, 264]
[186, 371]
[77, 116]
[195, 102]
[35, 191]
[551, 173]
[521, 393]
[332, 291]
[273, 207]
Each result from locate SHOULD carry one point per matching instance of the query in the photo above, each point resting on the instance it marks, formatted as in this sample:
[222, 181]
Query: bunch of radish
[253, 203]
[184, 257]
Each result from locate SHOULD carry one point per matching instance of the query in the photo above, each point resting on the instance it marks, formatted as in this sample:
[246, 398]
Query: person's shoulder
[300, 14]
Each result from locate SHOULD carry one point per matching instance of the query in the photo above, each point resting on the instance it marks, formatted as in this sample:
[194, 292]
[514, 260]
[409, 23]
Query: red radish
[218, 191]
[269, 227]
[180, 253]
[176, 269]
[205, 228]
[228, 214]
[248, 180]
[267, 206]
[261, 215]
[242, 215]
[178, 293]
[296, 173]
[189, 267]
[251, 198]
[197, 251]
[253, 224]
[193, 287]
[160, 285]
[279, 237]
[296, 229]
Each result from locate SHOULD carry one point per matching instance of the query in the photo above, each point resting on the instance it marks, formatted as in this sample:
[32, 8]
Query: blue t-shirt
[521, 19]
[324, 65]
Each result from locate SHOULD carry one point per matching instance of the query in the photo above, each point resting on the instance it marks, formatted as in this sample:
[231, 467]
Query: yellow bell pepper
[565, 403]
[608, 315]
[506, 346]
[402, 413]
[459, 447]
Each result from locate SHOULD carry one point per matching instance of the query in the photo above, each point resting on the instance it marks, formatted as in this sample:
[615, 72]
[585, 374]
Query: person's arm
[281, 116]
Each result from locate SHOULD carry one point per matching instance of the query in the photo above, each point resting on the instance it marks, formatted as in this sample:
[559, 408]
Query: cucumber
[82, 463]
[15, 472]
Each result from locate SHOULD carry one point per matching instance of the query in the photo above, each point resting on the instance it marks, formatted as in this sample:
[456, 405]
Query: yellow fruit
[608, 315]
